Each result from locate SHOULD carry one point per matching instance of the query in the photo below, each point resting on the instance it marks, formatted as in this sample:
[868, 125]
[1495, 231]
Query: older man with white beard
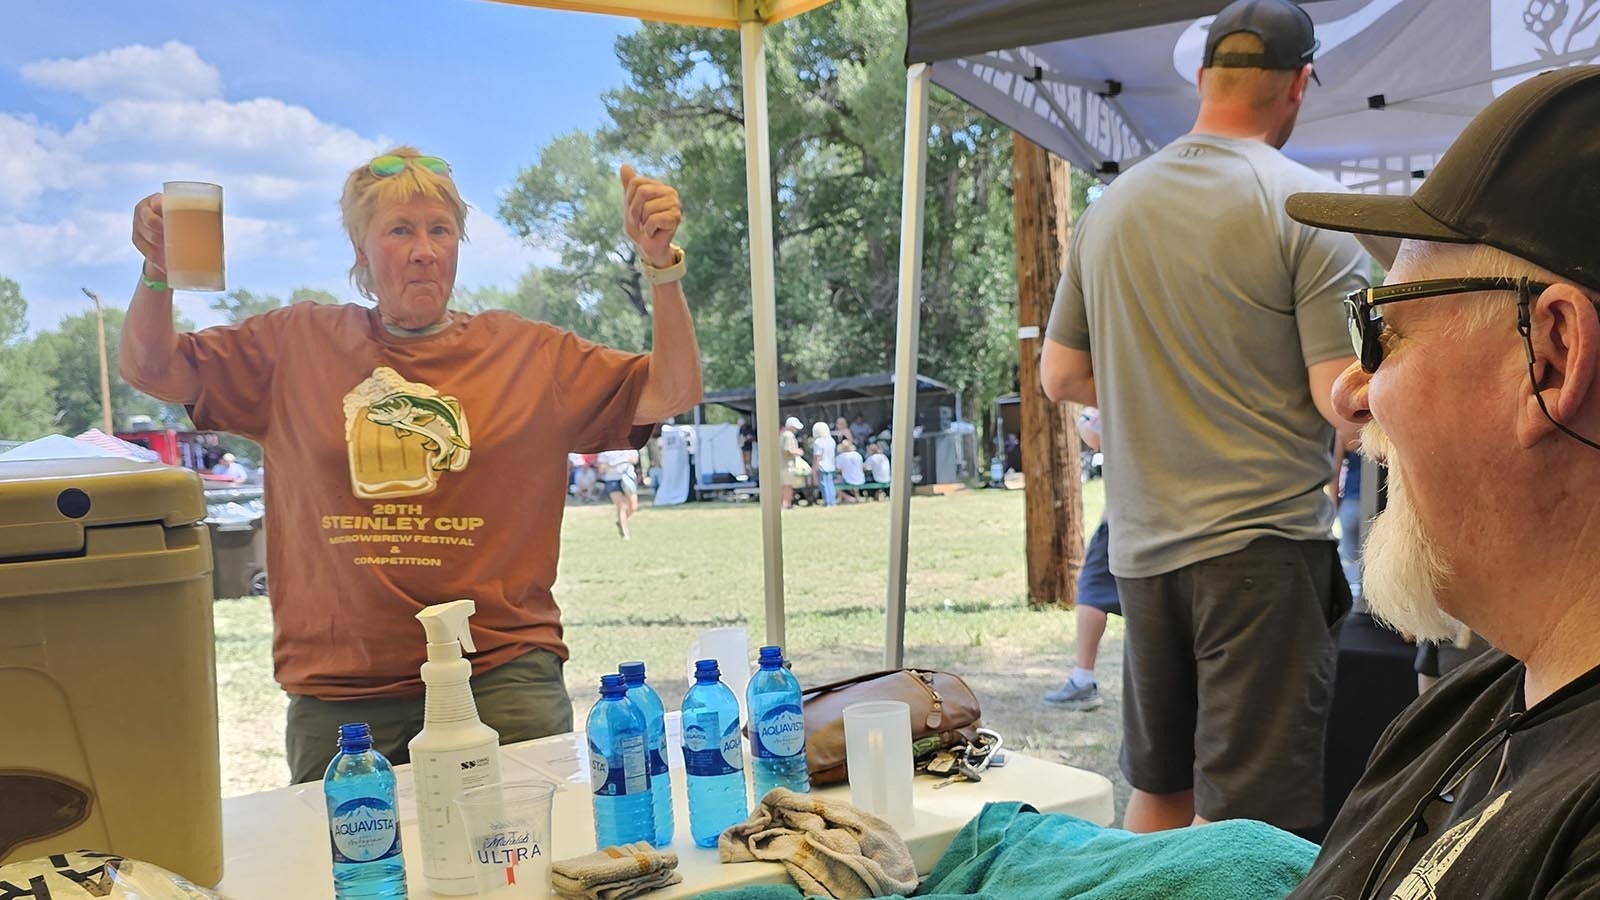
[1479, 388]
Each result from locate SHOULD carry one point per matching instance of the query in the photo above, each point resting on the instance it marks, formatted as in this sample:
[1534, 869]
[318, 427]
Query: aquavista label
[364, 829]
[780, 733]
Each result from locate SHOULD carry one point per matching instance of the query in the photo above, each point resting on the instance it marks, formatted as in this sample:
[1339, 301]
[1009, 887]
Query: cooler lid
[45, 504]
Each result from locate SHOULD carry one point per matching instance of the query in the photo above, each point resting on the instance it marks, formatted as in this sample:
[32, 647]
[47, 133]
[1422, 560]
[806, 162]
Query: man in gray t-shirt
[1209, 327]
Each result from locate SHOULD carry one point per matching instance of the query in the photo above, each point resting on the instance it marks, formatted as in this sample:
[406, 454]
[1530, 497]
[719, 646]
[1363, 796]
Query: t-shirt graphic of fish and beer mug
[402, 436]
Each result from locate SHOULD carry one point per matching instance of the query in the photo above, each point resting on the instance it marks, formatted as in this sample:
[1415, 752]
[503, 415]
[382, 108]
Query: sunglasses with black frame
[1443, 792]
[1366, 324]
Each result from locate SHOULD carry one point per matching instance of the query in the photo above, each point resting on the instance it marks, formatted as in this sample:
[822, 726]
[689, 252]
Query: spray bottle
[454, 751]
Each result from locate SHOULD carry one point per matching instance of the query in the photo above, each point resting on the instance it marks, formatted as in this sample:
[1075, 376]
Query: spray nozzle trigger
[446, 623]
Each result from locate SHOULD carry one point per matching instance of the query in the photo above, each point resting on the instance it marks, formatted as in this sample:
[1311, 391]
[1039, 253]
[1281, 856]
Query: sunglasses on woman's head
[390, 164]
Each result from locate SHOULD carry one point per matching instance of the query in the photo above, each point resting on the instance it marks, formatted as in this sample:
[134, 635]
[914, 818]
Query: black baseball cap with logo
[1523, 176]
[1285, 30]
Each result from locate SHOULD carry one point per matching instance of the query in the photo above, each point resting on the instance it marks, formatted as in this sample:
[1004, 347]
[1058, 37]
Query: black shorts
[1228, 671]
[1097, 587]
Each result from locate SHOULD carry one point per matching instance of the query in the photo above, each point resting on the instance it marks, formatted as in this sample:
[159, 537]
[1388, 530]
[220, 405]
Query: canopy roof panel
[708, 13]
[1105, 82]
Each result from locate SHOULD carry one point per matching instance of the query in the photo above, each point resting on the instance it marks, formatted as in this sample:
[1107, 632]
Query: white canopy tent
[1103, 83]
[751, 17]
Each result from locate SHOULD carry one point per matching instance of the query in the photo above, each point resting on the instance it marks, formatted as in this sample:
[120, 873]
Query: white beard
[1402, 570]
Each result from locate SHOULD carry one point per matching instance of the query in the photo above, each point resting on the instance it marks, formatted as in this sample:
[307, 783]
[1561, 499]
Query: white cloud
[30, 163]
[261, 150]
[493, 255]
[173, 71]
[83, 238]
[67, 190]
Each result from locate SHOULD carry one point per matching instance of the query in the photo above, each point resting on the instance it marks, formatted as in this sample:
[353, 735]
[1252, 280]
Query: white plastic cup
[730, 647]
[191, 222]
[877, 750]
[508, 835]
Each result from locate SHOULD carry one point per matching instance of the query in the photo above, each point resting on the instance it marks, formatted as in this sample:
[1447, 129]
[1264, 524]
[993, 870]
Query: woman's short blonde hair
[365, 193]
[820, 430]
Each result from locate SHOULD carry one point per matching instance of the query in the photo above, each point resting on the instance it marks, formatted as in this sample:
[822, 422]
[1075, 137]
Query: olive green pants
[523, 699]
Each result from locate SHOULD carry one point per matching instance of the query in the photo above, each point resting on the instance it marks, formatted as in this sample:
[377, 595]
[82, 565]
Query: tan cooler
[108, 691]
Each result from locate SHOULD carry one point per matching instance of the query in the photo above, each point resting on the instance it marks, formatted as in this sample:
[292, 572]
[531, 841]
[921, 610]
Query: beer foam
[381, 383]
[177, 202]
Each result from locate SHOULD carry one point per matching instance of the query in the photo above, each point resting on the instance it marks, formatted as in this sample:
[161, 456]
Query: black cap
[1524, 176]
[1284, 29]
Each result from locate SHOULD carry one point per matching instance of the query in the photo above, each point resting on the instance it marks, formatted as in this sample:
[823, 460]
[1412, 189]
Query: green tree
[26, 409]
[240, 304]
[75, 370]
[315, 295]
[836, 103]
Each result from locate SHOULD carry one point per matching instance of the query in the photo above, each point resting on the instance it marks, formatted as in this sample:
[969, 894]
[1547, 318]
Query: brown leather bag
[944, 712]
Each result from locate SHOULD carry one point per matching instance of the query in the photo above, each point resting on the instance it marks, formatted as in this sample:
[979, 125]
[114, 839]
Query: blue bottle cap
[772, 657]
[633, 672]
[355, 737]
[612, 685]
[706, 670]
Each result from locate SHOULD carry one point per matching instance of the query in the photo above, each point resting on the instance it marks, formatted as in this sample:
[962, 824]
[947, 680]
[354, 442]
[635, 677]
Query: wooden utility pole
[1049, 438]
[105, 368]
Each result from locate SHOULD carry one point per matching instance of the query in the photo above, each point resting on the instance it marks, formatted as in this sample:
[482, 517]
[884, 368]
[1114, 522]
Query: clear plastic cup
[508, 835]
[877, 749]
[730, 647]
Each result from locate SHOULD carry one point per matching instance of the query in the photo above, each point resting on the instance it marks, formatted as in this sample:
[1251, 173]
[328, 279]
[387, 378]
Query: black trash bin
[238, 551]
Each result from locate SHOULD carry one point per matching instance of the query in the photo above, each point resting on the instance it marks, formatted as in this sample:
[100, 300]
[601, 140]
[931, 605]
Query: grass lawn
[697, 566]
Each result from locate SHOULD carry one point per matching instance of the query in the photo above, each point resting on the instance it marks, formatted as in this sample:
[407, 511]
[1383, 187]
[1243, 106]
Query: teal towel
[755, 892]
[1011, 852]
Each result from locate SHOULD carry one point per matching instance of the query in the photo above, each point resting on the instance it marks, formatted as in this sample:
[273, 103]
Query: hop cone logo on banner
[1544, 20]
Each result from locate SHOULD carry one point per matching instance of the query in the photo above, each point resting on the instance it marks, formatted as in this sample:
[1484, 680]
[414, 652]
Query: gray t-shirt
[1202, 304]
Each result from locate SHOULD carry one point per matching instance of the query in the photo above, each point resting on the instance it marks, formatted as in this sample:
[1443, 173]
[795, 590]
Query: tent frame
[750, 17]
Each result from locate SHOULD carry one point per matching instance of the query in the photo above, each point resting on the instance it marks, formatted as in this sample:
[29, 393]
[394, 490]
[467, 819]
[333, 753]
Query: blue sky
[101, 101]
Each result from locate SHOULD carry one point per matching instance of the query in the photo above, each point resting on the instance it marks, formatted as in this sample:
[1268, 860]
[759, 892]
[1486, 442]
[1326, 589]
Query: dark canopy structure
[878, 386]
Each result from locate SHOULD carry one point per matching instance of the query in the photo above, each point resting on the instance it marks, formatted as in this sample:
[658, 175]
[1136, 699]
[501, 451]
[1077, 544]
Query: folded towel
[614, 873]
[831, 849]
[1009, 850]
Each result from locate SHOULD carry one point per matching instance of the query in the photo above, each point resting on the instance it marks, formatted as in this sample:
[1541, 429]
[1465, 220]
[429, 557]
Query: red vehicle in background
[197, 450]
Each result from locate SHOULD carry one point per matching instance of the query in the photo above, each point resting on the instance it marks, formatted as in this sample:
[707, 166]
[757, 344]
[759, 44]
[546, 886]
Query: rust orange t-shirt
[403, 472]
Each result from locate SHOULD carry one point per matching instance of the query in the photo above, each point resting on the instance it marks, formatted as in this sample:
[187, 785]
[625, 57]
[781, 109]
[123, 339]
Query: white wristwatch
[666, 275]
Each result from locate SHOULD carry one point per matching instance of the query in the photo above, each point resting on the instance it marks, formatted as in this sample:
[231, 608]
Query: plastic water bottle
[713, 758]
[619, 772]
[648, 702]
[362, 821]
[777, 727]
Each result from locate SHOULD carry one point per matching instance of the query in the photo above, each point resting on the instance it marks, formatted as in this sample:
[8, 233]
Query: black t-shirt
[1522, 818]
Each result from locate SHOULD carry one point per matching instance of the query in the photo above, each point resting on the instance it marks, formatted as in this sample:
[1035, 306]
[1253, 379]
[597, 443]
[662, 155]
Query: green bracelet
[152, 284]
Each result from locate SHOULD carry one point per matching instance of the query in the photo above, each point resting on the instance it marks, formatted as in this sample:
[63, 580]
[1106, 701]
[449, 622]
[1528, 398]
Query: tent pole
[763, 302]
[908, 321]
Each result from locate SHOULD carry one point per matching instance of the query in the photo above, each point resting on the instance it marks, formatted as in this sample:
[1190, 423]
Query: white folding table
[276, 842]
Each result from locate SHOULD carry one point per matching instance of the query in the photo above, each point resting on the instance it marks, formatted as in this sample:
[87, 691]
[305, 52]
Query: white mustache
[1375, 443]
[1403, 569]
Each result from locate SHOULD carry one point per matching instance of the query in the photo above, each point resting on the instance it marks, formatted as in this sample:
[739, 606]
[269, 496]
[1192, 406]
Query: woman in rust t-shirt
[418, 454]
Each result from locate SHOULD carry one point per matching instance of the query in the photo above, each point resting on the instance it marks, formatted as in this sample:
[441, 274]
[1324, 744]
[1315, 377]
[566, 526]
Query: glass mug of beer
[191, 215]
